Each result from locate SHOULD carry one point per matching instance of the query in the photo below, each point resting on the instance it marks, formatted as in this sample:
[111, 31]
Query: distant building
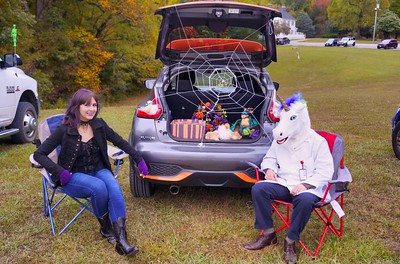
[290, 22]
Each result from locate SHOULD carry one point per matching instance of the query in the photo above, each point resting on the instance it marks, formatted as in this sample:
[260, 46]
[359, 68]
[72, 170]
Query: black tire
[139, 187]
[396, 140]
[26, 121]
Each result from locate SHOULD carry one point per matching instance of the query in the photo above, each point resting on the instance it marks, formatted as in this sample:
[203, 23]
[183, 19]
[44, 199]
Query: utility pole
[376, 17]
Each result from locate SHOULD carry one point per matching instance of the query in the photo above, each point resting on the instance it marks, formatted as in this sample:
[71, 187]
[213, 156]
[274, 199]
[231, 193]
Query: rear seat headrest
[188, 75]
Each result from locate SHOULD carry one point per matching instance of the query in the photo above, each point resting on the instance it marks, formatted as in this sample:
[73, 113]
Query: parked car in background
[19, 101]
[347, 41]
[282, 41]
[207, 86]
[396, 133]
[331, 42]
[387, 44]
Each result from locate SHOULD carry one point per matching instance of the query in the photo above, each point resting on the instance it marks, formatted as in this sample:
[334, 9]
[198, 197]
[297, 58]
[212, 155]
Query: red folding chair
[325, 209]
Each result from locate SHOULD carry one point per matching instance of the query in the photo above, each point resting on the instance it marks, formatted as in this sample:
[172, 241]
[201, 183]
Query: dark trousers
[264, 193]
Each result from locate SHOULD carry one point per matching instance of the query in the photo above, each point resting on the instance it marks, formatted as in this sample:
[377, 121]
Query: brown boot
[289, 252]
[262, 242]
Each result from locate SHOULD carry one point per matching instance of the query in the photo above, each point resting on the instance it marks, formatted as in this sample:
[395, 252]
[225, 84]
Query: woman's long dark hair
[82, 96]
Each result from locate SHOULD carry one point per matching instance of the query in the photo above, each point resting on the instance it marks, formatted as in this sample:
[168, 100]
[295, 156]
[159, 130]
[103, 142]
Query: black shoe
[289, 252]
[106, 230]
[262, 242]
[122, 246]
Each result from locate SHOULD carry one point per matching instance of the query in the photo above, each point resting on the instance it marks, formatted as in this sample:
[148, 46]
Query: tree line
[336, 18]
[109, 45]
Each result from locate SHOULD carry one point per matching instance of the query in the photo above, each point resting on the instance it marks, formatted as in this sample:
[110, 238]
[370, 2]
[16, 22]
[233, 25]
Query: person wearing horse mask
[297, 169]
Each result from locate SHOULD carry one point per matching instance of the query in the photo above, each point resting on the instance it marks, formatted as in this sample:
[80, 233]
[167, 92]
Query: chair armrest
[116, 153]
[34, 163]
[341, 186]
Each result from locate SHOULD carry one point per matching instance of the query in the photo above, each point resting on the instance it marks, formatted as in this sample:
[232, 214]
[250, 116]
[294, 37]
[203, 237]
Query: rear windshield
[219, 80]
[230, 39]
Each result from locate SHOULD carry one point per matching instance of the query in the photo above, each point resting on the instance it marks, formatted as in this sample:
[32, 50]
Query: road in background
[321, 44]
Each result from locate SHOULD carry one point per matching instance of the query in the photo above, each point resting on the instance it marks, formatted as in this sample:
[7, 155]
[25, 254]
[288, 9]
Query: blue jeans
[102, 188]
[263, 194]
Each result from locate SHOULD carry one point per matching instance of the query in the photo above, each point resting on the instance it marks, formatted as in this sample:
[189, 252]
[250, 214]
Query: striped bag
[188, 129]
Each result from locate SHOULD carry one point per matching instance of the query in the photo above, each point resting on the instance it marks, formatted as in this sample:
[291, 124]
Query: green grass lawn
[353, 92]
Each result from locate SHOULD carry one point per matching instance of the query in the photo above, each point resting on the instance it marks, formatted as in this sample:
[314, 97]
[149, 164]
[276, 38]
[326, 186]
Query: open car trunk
[217, 105]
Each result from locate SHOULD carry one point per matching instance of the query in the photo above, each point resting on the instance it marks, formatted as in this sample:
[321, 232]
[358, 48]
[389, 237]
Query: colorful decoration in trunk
[213, 114]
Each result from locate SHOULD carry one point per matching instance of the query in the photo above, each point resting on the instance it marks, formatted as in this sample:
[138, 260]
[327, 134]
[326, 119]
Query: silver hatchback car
[210, 113]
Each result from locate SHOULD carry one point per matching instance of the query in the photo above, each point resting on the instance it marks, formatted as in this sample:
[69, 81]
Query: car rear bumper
[233, 179]
[203, 165]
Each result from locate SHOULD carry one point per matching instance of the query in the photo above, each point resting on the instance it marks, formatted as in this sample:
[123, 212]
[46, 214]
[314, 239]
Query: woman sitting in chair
[84, 169]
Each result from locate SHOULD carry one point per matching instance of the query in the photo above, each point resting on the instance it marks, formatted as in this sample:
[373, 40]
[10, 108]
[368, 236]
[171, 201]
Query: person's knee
[305, 199]
[257, 188]
[100, 188]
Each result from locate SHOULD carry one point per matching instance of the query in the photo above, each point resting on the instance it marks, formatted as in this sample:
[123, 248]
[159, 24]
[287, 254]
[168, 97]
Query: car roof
[217, 17]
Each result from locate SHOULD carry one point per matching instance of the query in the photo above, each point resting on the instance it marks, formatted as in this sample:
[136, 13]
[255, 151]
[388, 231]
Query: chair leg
[326, 217]
[50, 203]
[47, 204]
[285, 218]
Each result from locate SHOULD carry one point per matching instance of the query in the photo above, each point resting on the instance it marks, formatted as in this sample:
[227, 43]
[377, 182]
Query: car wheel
[139, 187]
[26, 121]
[396, 140]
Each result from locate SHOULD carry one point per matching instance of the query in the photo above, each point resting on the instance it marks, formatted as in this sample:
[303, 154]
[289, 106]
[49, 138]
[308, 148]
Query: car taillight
[151, 110]
[273, 110]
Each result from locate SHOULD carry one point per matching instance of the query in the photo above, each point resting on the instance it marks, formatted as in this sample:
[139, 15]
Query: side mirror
[276, 84]
[149, 83]
[12, 60]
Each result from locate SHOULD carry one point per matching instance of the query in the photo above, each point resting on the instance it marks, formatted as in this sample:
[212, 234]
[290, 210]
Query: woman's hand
[65, 177]
[142, 167]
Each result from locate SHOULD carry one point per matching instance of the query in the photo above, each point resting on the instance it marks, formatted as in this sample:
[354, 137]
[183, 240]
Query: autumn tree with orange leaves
[109, 45]
[93, 58]
[104, 45]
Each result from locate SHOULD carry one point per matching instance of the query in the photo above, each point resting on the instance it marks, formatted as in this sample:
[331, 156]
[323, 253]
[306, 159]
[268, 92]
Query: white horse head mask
[294, 125]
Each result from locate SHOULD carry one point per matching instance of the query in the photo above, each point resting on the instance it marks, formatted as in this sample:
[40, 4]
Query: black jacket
[70, 140]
